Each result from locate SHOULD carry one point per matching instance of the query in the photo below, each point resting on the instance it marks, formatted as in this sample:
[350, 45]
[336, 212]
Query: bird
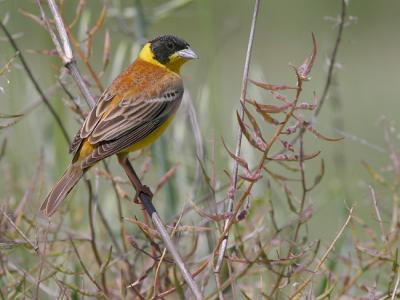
[131, 113]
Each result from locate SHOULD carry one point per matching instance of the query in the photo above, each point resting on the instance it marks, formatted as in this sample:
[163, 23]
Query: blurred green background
[365, 90]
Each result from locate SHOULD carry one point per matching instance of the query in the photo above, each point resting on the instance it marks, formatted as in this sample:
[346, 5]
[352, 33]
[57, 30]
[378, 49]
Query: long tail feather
[61, 190]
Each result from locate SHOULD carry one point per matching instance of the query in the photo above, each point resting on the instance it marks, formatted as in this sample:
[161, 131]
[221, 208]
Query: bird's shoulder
[142, 75]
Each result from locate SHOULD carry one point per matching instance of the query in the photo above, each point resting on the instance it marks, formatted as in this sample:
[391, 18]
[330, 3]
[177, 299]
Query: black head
[164, 47]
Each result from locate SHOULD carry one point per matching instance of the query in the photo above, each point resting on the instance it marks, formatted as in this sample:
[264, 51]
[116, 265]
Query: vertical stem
[235, 169]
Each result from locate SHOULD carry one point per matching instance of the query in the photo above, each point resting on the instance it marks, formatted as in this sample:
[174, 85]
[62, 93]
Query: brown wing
[127, 125]
[139, 94]
[109, 148]
[91, 120]
[154, 102]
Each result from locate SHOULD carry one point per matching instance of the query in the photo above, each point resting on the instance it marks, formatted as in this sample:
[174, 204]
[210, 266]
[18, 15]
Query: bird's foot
[144, 189]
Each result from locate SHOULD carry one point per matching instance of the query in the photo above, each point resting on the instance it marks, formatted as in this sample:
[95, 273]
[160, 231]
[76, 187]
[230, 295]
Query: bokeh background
[364, 95]
[365, 88]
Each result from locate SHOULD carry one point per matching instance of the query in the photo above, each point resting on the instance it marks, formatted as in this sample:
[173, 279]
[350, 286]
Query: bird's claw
[144, 189]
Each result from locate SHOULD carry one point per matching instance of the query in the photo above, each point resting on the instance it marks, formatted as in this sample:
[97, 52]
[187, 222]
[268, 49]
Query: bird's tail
[61, 190]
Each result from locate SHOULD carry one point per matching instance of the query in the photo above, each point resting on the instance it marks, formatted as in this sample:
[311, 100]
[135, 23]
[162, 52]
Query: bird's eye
[170, 45]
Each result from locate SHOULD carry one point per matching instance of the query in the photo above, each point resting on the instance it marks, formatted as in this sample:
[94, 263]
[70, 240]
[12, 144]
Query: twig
[91, 225]
[235, 170]
[156, 280]
[350, 282]
[377, 212]
[304, 192]
[198, 140]
[148, 205]
[31, 188]
[394, 293]
[84, 266]
[194, 274]
[64, 49]
[53, 294]
[34, 247]
[324, 257]
[332, 59]
[35, 83]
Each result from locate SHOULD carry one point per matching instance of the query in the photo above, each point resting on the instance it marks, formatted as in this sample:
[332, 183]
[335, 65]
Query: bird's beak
[187, 53]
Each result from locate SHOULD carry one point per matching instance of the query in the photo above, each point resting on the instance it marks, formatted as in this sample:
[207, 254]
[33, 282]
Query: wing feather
[119, 120]
[106, 149]
[123, 118]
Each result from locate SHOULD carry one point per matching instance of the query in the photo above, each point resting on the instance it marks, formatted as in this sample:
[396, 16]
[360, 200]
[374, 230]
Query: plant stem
[235, 170]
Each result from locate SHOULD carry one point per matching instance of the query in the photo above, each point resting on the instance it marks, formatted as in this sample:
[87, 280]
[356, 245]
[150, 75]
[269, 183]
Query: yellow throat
[175, 62]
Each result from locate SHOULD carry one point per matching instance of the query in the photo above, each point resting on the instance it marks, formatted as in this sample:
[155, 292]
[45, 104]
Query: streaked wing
[134, 117]
[133, 111]
[109, 148]
[91, 120]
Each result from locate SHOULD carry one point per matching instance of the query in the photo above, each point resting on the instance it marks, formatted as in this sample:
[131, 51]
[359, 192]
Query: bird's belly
[151, 138]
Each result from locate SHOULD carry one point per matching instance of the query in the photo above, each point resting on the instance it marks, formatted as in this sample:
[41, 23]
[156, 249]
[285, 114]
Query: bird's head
[169, 51]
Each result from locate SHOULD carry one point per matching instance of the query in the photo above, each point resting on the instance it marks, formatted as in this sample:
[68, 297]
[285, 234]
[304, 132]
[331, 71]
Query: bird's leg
[134, 178]
[145, 196]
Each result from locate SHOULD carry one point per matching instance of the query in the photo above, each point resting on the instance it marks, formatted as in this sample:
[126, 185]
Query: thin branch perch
[145, 198]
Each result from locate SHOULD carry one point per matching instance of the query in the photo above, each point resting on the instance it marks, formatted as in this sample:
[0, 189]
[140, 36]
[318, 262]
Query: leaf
[206, 177]
[166, 177]
[82, 291]
[8, 64]
[106, 49]
[268, 108]
[7, 116]
[248, 136]
[306, 106]
[305, 69]
[251, 177]
[216, 217]
[267, 118]
[293, 128]
[289, 195]
[253, 122]
[279, 96]
[272, 87]
[3, 148]
[9, 124]
[308, 126]
[147, 230]
[178, 285]
[374, 174]
[319, 177]
[105, 263]
[284, 157]
[32, 17]
[279, 177]
[395, 264]
[238, 159]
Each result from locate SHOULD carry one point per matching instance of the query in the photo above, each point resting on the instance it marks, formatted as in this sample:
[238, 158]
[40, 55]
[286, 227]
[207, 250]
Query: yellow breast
[151, 138]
